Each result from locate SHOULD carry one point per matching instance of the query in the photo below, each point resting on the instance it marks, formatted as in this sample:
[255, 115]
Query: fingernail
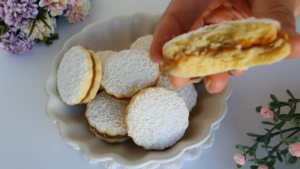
[236, 72]
[291, 31]
[207, 83]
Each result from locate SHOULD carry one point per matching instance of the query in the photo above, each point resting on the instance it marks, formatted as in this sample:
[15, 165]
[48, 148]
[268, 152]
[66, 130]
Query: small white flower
[78, 10]
[40, 29]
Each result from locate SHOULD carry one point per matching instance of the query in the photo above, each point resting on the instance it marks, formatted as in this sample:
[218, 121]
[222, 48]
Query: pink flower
[78, 10]
[239, 159]
[56, 7]
[295, 149]
[266, 112]
[262, 167]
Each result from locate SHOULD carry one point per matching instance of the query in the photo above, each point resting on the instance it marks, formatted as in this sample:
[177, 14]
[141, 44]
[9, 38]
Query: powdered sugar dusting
[103, 55]
[157, 118]
[107, 115]
[143, 43]
[71, 74]
[188, 92]
[128, 72]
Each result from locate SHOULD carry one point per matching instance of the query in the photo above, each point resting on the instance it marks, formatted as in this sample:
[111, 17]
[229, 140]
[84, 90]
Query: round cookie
[103, 55]
[128, 72]
[97, 75]
[156, 118]
[106, 118]
[74, 75]
[188, 92]
[233, 45]
[143, 43]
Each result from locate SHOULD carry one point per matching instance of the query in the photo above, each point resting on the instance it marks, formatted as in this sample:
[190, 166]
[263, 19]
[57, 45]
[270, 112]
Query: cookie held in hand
[227, 46]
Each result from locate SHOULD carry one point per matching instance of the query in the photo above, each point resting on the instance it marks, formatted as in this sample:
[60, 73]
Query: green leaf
[272, 156]
[239, 166]
[267, 139]
[241, 147]
[251, 160]
[289, 141]
[284, 152]
[262, 162]
[54, 37]
[296, 121]
[32, 27]
[273, 97]
[290, 93]
[2, 28]
[293, 108]
[251, 152]
[273, 162]
[273, 105]
[254, 167]
[275, 118]
[253, 134]
[266, 158]
[18, 31]
[264, 146]
[280, 125]
[43, 20]
[48, 43]
[294, 100]
[290, 160]
[275, 148]
[279, 157]
[258, 109]
[0, 40]
[267, 123]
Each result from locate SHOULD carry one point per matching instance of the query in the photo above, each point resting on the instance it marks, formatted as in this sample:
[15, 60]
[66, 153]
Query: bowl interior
[118, 34]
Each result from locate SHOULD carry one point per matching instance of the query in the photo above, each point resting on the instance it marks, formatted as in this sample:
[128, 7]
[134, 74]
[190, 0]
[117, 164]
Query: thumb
[282, 11]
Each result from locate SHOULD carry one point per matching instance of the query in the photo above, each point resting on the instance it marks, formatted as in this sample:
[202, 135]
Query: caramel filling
[107, 136]
[208, 51]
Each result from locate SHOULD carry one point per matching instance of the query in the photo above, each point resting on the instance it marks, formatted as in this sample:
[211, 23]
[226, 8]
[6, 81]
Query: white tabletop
[29, 140]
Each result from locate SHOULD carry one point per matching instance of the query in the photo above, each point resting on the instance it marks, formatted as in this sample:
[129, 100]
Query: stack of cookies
[127, 95]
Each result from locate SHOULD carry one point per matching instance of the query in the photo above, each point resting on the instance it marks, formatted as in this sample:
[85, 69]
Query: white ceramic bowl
[117, 34]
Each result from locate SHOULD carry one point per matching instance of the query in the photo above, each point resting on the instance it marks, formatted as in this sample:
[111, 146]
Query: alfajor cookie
[226, 46]
[188, 92]
[143, 43]
[106, 118]
[96, 80]
[156, 118]
[103, 55]
[74, 75]
[127, 72]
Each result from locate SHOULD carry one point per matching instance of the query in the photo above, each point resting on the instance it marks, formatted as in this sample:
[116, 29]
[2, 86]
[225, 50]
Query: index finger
[177, 19]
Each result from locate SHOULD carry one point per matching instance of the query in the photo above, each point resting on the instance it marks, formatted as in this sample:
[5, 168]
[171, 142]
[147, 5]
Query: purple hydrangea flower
[16, 44]
[2, 3]
[18, 13]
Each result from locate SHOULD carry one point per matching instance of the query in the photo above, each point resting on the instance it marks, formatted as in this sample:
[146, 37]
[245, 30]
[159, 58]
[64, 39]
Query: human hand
[186, 15]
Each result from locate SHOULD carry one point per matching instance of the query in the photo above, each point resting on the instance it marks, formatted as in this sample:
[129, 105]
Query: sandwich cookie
[188, 92]
[156, 118]
[128, 72]
[106, 118]
[103, 55]
[78, 76]
[226, 46]
[143, 43]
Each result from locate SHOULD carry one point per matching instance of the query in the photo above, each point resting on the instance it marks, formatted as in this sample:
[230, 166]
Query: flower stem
[293, 133]
[285, 131]
[262, 139]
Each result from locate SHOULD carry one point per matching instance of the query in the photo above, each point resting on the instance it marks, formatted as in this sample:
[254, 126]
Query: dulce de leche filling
[107, 136]
[207, 51]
